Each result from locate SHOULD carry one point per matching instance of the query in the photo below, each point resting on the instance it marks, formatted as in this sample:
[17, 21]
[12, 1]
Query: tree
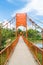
[0, 33]
[34, 34]
[19, 30]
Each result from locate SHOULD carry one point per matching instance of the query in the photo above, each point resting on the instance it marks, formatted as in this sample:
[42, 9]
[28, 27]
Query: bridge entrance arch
[21, 20]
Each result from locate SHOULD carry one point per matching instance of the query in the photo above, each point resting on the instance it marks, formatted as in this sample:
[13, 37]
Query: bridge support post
[26, 31]
[26, 26]
[7, 52]
[16, 31]
[42, 58]
[36, 52]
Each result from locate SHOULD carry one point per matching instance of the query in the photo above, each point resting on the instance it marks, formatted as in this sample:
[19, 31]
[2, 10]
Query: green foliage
[6, 34]
[33, 35]
[0, 34]
[39, 55]
[19, 30]
[24, 33]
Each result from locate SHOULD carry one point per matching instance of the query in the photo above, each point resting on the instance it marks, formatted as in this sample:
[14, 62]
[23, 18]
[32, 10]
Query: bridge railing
[37, 52]
[6, 53]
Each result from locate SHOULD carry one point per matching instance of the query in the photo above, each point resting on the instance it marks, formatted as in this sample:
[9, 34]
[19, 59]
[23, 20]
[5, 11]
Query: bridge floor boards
[22, 55]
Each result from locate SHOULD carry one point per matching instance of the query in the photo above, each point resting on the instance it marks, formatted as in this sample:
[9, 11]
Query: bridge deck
[22, 55]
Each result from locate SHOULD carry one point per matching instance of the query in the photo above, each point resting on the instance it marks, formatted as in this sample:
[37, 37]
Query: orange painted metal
[7, 52]
[21, 19]
[35, 50]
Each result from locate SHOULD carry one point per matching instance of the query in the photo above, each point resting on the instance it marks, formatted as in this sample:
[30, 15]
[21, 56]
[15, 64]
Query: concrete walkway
[22, 55]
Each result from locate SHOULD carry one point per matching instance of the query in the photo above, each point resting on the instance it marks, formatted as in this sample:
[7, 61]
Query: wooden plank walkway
[22, 55]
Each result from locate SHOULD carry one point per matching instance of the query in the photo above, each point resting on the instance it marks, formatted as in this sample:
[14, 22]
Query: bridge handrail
[6, 52]
[35, 46]
[34, 49]
[7, 46]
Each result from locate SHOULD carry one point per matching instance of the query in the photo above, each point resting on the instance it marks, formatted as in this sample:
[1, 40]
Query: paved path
[22, 55]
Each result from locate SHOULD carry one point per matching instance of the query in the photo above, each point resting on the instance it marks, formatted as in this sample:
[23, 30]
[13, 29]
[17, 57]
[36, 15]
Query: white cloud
[38, 6]
[6, 24]
[33, 5]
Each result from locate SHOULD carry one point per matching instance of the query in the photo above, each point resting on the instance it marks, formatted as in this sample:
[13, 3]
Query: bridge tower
[21, 20]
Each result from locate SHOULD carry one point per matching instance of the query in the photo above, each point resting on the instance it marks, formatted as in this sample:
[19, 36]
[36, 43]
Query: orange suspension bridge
[21, 51]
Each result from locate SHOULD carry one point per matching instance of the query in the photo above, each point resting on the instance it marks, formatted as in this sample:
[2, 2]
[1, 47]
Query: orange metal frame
[7, 51]
[35, 50]
[21, 20]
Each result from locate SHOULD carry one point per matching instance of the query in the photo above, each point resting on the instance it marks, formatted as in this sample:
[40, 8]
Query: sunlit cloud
[33, 5]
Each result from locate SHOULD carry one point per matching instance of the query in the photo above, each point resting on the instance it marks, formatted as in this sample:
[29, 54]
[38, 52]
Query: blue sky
[7, 7]
[34, 9]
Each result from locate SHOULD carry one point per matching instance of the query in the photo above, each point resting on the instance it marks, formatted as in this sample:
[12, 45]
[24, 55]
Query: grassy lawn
[2, 58]
[39, 55]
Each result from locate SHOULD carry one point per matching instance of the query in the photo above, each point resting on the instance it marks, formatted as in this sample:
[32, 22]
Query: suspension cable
[10, 21]
[37, 19]
[33, 22]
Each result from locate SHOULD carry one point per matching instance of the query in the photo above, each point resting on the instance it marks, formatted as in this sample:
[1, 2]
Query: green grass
[13, 38]
[2, 58]
[39, 55]
[34, 40]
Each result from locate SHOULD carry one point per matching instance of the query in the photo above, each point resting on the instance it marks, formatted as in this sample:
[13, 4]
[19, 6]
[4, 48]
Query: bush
[33, 35]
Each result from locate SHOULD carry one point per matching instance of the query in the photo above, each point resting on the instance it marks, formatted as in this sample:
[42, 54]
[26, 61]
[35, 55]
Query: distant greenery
[34, 35]
[0, 35]
[24, 33]
[19, 30]
[6, 34]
